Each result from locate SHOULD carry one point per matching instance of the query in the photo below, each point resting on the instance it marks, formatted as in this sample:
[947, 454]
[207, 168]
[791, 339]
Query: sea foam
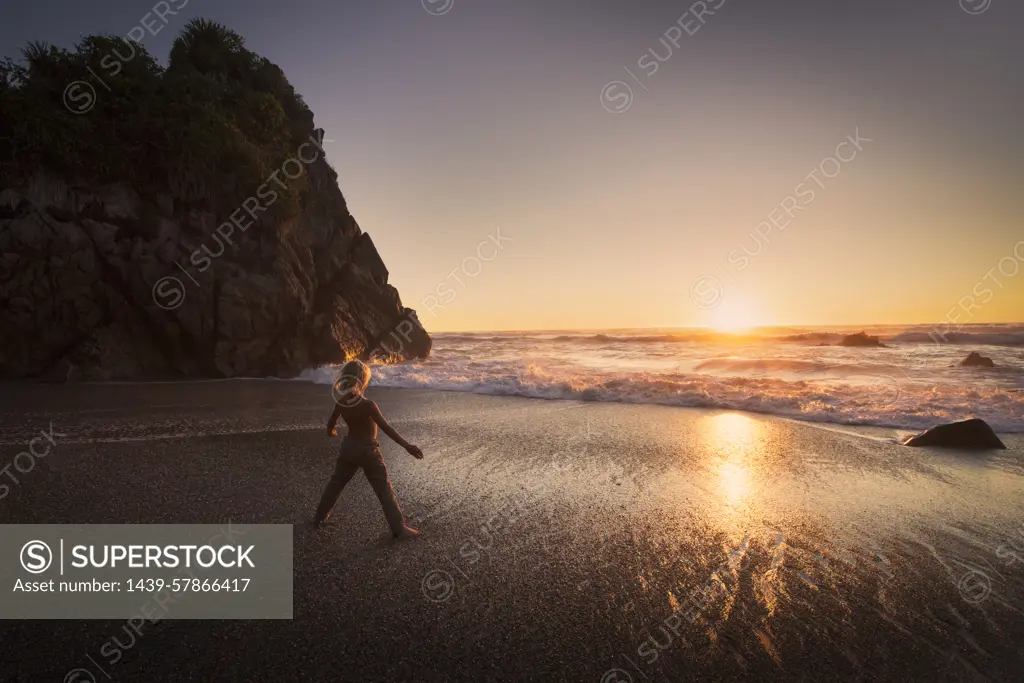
[781, 371]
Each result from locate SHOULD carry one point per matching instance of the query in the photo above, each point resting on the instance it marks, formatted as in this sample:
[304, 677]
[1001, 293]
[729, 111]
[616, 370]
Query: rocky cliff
[151, 254]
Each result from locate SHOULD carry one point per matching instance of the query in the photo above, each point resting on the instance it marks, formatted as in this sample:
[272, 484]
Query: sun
[736, 316]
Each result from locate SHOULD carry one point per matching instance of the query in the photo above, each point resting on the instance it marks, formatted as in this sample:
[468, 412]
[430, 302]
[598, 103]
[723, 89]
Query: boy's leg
[377, 472]
[343, 473]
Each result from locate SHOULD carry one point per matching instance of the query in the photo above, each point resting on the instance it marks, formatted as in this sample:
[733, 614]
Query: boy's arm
[390, 431]
[334, 420]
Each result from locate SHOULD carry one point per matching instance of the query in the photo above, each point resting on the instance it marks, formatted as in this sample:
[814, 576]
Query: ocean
[792, 372]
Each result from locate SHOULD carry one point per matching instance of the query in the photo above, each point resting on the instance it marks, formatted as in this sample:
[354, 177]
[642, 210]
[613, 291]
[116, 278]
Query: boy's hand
[414, 451]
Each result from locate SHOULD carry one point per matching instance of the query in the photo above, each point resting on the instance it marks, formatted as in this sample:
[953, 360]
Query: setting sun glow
[735, 316]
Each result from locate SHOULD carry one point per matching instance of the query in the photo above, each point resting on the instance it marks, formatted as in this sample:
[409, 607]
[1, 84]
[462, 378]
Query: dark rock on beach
[204, 235]
[861, 339]
[976, 360]
[974, 433]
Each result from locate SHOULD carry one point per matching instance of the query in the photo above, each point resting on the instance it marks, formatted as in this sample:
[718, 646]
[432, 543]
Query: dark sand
[839, 555]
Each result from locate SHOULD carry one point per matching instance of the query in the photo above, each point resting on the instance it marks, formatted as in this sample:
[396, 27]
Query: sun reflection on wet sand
[733, 438]
[735, 483]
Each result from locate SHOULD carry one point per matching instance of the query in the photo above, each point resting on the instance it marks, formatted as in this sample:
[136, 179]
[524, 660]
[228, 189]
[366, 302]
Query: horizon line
[720, 330]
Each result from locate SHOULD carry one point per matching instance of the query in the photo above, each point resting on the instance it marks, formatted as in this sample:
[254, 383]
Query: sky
[532, 164]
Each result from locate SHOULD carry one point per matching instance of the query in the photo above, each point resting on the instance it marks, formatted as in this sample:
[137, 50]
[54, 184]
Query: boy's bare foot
[406, 533]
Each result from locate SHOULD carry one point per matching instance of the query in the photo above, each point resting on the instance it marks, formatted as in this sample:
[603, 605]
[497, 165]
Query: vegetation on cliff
[207, 129]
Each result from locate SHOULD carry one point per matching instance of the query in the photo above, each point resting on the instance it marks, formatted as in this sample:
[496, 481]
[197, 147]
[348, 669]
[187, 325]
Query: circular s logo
[79, 676]
[706, 291]
[886, 392]
[79, 97]
[975, 586]
[168, 293]
[36, 557]
[347, 391]
[975, 6]
[438, 7]
[616, 676]
[438, 585]
[616, 97]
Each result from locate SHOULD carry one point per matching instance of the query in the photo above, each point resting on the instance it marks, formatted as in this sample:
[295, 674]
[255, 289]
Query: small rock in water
[861, 339]
[973, 433]
[976, 360]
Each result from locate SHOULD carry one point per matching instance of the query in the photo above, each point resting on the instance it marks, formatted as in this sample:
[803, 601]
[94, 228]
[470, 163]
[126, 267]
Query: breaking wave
[908, 386]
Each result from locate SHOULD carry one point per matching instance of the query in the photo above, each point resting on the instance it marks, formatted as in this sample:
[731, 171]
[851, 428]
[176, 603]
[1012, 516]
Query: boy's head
[352, 382]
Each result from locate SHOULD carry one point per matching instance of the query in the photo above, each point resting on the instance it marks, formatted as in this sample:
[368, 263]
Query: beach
[563, 540]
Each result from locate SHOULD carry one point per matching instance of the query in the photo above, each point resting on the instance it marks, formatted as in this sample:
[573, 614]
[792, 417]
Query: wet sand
[563, 541]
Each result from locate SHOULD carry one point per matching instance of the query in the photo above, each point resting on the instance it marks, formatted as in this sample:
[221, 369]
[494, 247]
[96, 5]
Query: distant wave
[825, 337]
[778, 365]
[599, 338]
[641, 339]
[483, 338]
[993, 335]
[936, 336]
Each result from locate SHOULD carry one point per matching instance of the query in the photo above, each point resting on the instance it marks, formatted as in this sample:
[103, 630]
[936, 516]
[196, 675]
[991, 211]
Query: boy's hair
[354, 377]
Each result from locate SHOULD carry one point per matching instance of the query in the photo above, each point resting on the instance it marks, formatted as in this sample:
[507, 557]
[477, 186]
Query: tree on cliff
[209, 127]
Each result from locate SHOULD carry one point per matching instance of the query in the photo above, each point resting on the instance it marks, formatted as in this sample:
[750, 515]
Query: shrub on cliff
[208, 129]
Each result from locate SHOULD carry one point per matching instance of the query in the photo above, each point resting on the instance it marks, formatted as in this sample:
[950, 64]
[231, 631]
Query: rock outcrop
[88, 293]
[861, 339]
[973, 433]
[137, 241]
[976, 360]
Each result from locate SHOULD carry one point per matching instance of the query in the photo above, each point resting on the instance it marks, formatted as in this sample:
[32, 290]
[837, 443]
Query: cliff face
[99, 284]
[180, 221]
